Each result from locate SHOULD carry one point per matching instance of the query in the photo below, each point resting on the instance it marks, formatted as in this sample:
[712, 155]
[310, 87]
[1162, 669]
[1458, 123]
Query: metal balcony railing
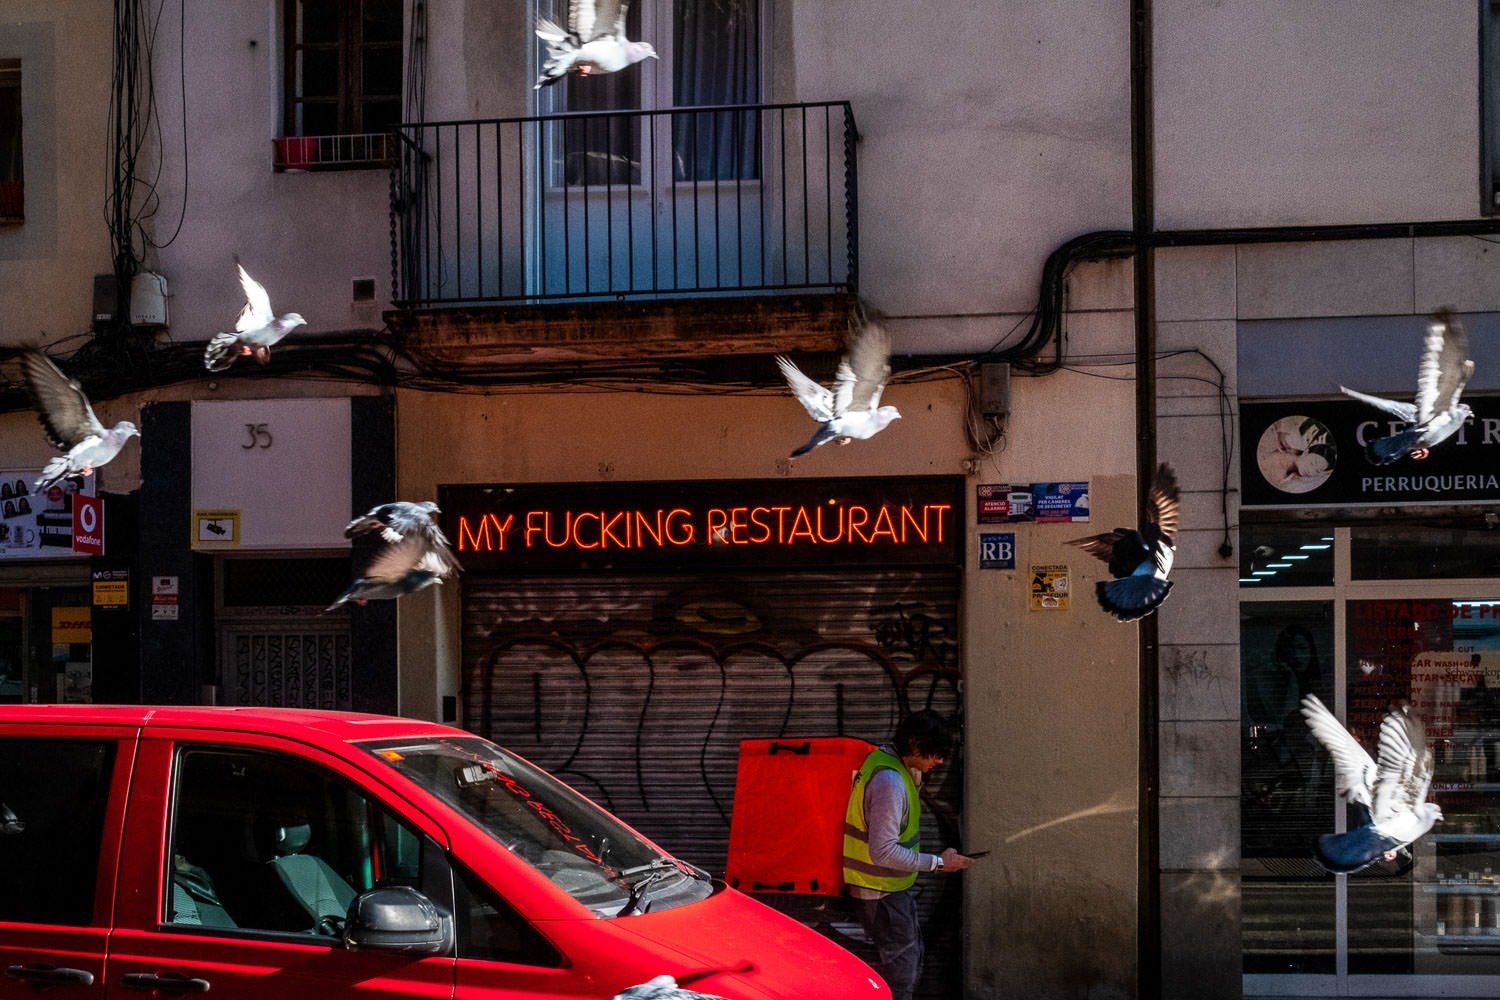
[608, 205]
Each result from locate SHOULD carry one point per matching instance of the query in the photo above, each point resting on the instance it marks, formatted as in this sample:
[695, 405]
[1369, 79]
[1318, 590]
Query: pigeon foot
[1420, 454]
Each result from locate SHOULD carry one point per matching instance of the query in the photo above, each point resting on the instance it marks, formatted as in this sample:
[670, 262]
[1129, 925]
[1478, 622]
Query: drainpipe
[1143, 224]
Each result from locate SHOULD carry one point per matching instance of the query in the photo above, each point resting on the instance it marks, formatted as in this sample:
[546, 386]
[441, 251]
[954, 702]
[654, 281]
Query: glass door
[1382, 616]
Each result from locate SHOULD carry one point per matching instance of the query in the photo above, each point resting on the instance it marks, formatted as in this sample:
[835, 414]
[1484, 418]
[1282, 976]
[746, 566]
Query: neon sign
[813, 522]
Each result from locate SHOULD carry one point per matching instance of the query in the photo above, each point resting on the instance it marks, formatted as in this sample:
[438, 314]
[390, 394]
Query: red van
[305, 854]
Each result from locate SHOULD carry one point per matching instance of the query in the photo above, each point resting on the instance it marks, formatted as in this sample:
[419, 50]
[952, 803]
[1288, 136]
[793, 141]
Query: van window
[53, 795]
[267, 842]
[487, 928]
[585, 851]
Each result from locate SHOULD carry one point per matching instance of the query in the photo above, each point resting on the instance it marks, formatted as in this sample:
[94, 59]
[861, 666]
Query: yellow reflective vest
[858, 868]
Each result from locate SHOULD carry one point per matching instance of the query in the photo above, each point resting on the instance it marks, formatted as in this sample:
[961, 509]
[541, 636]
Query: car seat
[315, 897]
[195, 900]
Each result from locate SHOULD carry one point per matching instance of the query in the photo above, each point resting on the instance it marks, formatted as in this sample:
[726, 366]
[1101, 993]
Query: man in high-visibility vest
[882, 845]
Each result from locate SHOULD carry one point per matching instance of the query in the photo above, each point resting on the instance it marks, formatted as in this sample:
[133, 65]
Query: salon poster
[37, 525]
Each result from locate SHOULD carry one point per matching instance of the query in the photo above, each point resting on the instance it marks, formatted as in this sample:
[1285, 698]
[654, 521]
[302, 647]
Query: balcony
[496, 218]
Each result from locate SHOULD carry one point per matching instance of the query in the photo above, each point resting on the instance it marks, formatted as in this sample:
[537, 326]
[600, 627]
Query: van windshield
[583, 849]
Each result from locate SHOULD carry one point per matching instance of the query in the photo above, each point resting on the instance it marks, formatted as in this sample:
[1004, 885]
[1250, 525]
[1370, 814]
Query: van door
[62, 803]
[241, 856]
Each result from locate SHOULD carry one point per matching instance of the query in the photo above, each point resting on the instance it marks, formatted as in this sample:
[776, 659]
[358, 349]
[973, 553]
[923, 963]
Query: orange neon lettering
[608, 526]
[780, 513]
[715, 521]
[679, 526]
[644, 528]
[838, 534]
[802, 525]
[468, 538]
[501, 530]
[739, 520]
[856, 524]
[765, 529]
[909, 521]
[884, 525]
[939, 508]
[537, 522]
[574, 522]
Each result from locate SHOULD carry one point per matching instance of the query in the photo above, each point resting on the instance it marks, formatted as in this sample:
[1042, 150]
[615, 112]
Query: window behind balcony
[12, 204]
[343, 75]
[712, 50]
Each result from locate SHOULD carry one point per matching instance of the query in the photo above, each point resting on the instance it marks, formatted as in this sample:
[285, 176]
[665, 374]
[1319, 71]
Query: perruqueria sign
[767, 522]
[1305, 454]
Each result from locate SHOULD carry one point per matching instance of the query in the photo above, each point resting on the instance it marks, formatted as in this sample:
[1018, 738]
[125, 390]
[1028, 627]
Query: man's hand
[953, 861]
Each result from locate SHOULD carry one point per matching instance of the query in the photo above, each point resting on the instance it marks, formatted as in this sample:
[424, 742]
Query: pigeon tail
[1347, 853]
[1132, 597]
[365, 589]
[562, 52]
[820, 437]
[55, 472]
[1388, 450]
[221, 351]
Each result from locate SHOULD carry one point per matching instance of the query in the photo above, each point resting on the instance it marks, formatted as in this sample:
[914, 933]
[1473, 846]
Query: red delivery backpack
[790, 798]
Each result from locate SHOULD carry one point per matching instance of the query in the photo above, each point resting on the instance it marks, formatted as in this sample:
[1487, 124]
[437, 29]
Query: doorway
[1365, 617]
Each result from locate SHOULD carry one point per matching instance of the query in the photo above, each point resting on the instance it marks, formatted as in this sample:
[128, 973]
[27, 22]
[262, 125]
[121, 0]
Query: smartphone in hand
[974, 854]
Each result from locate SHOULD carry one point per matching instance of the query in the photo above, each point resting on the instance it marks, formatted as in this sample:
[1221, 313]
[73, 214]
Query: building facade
[1101, 235]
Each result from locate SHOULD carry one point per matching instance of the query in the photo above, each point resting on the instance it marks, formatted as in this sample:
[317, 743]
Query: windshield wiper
[654, 872]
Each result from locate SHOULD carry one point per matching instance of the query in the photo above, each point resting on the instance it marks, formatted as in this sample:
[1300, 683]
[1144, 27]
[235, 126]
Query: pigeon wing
[1403, 769]
[1445, 366]
[1403, 411]
[60, 403]
[1354, 771]
[867, 366]
[393, 562]
[591, 19]
[257, 312]
[1164, 502]
[1101, 546]
[816, 399]
[440, 558]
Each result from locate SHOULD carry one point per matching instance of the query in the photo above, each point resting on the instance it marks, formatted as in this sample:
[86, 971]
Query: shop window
[1411, 617]
[12, 192]
[342, 82]
[1286, 653]
[1285, 555]
[1387, 553]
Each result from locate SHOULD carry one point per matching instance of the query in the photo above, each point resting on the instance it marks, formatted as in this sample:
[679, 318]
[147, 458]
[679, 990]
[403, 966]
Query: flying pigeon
[69, 421]
[594, 41]
[662, 988]
[414, 553]
[1442, 373]
[1139, 559]
[1390, 796]
[254, 332]
[851, 409]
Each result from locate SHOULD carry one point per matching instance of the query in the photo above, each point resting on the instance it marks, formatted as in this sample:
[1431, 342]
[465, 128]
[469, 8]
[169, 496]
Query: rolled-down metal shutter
[637, 689]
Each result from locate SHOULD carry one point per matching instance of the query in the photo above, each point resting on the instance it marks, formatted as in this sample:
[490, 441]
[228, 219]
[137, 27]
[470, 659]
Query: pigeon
[1442, 373]
[851, 409]
[69, 422]
[662, 988]
[254, 332]
[414, 552]
[1139, 559]
[1390, 796]
[594, 41]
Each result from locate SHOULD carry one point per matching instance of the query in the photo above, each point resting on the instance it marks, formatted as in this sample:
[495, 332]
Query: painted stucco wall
[48, 263]
[1291, 112]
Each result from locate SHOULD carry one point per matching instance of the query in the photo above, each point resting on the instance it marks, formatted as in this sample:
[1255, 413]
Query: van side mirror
[397, 918]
